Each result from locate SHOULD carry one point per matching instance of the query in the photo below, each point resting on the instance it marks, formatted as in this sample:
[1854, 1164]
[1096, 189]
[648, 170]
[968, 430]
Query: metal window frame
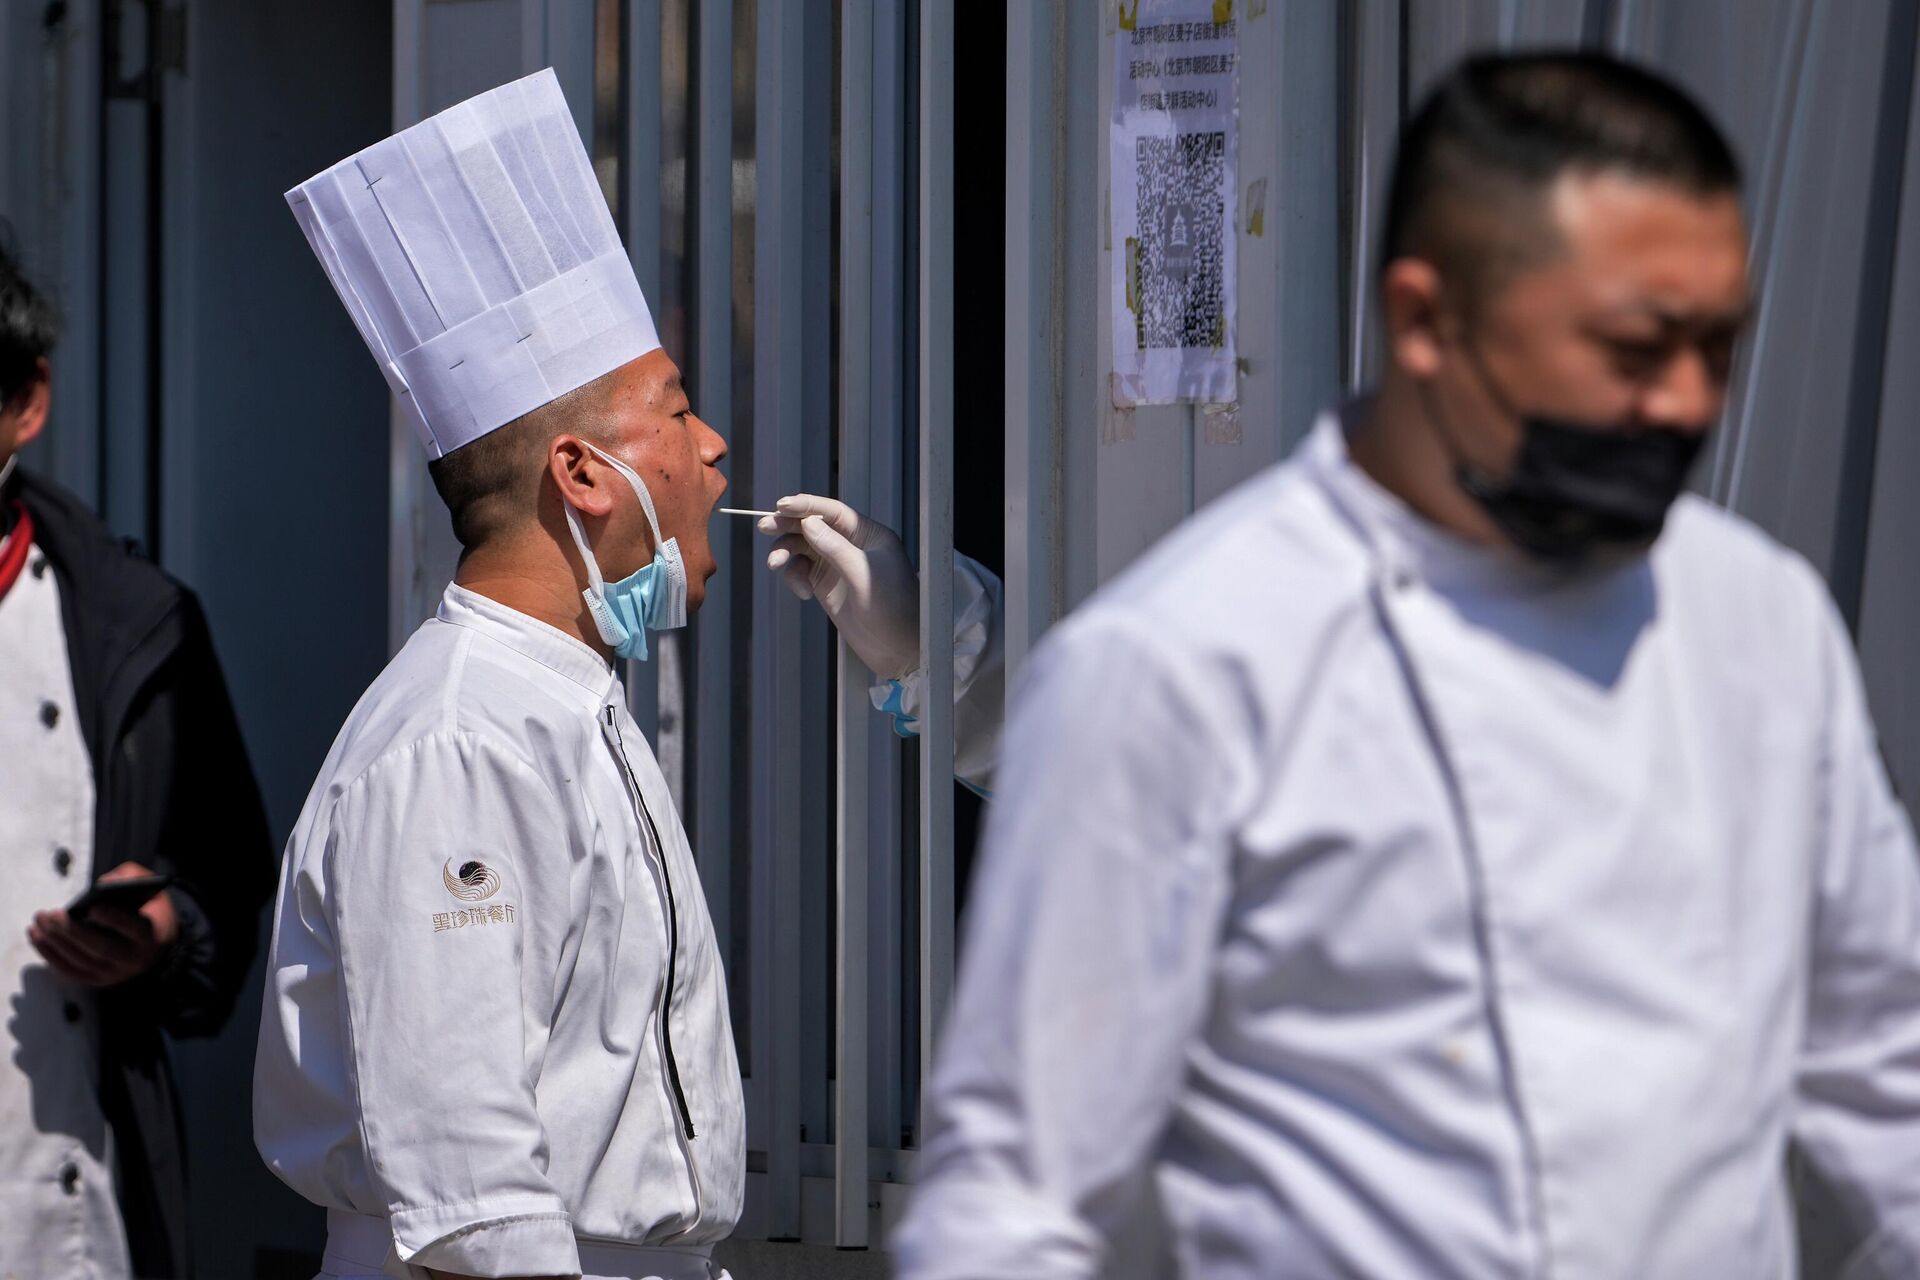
[779, 377]
[1035, 321]
[854, 725]
[936, 369]
[711, 799]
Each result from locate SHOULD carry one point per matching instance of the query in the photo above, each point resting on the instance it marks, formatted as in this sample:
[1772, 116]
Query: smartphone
[128, 894]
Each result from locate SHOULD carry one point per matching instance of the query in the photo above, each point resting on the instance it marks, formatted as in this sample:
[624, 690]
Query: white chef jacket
[1411, 911]
[58, 1214]
[495, 1019]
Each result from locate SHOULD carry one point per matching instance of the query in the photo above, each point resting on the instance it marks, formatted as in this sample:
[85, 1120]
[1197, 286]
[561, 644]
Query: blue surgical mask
[652, 598]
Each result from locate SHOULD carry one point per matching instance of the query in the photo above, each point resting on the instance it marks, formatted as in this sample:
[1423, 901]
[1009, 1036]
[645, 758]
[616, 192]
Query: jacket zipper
[673, 949]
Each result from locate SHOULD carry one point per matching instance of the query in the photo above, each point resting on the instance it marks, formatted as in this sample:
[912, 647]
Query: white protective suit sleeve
[1858, 1114]
[979, 677]
[1086, 967]
[437, 992]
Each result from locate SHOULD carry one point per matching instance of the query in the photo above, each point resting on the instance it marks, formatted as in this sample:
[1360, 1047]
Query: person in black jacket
[119, 755]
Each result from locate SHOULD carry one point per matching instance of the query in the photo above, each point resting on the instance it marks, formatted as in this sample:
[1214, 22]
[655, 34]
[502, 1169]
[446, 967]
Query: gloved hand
[859, 572]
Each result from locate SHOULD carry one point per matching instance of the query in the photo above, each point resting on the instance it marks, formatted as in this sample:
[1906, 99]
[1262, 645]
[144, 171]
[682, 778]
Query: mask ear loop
[639, 487]
[598, 584]
[668, 551]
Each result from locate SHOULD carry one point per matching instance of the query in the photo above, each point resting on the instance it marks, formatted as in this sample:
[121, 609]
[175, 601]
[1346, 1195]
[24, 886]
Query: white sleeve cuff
[521, 1236]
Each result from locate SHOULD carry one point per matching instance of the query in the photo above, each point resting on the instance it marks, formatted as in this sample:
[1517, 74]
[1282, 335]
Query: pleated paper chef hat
[477, 256]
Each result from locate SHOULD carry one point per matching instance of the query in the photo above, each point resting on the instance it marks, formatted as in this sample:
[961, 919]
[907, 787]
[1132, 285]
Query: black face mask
[1578, 489]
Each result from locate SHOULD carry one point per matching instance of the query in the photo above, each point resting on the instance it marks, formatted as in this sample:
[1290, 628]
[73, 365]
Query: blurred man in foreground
[1456, 854]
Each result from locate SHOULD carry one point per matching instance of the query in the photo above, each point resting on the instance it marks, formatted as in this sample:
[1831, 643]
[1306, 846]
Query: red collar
[13, 552]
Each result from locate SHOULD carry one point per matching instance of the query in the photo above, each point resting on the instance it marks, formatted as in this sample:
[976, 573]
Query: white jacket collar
[528, 636]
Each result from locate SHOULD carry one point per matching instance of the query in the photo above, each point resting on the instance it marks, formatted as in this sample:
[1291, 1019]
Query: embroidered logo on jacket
[475, 881]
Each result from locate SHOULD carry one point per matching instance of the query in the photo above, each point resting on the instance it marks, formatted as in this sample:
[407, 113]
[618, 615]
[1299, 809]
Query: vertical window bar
[936, 522]
[745, 977]
[633, 28]
[71, 227]
[533, 36]
[1373, 103]
[711, 359]
[854, 719]
[128, 275]
[778, 454]
[409, 486]
[888, 443]
[1036, 82]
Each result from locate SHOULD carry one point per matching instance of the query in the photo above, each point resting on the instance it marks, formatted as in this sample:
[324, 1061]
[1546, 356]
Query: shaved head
[1471, 182]
[492, 485]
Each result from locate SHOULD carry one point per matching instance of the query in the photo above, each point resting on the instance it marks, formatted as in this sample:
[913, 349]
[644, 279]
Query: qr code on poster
[1182, 218]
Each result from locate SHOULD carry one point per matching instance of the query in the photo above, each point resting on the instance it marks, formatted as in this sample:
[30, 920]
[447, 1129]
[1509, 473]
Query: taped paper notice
[1172, 212]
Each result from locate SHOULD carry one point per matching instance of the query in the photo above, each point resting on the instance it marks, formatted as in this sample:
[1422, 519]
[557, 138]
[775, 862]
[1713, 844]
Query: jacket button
[63, 860]
[40, 567]
[70, 1178]
[72, 1011]
[49, 714]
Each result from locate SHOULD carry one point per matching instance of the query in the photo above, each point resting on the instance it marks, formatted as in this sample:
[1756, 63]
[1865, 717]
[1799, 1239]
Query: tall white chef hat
[477, 256]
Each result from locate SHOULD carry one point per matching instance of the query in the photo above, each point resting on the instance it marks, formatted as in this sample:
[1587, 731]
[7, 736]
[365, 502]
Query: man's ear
[580, 476]
[1412, 316]
[26, 413]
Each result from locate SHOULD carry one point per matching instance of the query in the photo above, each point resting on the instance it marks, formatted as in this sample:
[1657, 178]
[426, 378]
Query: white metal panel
[1374, 104]
[1085, 345]
[1797, 370]
[1035, 317]
[1289, 250]
[1144, 468]
[1057, 351]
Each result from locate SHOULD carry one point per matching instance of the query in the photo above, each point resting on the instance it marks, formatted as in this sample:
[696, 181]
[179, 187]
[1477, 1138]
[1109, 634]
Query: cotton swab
[742, 511]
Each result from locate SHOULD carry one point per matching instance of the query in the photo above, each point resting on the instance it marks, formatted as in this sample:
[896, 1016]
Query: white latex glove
[859, 572]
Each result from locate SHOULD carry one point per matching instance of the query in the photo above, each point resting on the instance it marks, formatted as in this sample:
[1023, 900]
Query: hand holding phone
[117, 930]
[129, 893]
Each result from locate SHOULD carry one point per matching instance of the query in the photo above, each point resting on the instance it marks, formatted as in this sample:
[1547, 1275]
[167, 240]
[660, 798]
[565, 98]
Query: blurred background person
[1456, 854]
[119, 757]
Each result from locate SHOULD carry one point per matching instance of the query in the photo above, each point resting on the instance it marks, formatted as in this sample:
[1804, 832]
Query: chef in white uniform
[495, 1039]
[1477, 879]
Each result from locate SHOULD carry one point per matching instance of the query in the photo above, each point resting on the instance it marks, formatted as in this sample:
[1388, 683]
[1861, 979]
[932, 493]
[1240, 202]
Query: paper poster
[1175, 140]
